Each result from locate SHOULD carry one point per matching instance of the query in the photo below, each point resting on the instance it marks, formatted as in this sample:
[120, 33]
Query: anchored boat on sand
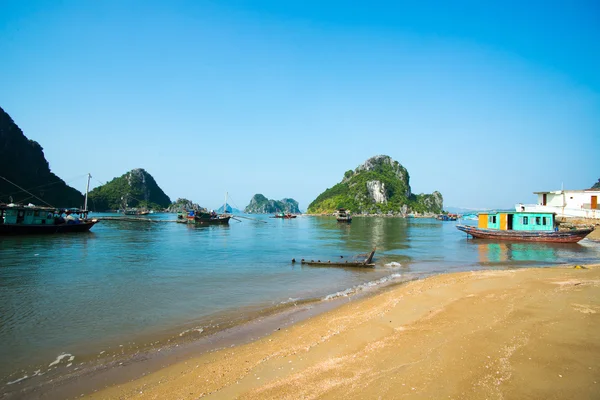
[523, 227]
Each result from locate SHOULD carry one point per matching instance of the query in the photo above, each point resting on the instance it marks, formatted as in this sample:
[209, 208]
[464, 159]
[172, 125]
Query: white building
[566, 203]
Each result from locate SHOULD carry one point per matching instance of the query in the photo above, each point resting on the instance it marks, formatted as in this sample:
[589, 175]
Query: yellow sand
[514, 334]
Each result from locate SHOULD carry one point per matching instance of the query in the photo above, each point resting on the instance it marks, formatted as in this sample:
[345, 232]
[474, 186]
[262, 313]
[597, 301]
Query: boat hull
[571, 236]
[212, 221]
[13, 229]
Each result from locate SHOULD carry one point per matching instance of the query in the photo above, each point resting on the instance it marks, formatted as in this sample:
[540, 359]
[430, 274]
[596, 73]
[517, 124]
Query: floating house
[566, 203]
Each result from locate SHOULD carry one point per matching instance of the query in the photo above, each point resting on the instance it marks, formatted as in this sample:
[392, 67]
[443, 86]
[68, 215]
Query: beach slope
[528, 333]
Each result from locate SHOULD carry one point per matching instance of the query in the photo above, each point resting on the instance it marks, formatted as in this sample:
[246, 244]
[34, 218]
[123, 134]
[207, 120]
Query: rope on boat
[12, 183]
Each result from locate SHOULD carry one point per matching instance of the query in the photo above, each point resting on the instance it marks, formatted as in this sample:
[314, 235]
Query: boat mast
[225, 206]
[87, 189]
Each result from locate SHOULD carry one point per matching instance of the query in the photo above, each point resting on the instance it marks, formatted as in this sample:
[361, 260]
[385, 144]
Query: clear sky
[484, 103]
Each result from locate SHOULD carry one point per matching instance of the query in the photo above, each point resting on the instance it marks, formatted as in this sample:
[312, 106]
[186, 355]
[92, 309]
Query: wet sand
[527, 333]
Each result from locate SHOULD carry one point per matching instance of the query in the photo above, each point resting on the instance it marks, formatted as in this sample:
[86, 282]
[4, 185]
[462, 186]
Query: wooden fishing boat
[366, 262]
[522, 227]
[342, 215]
[203, 218]
[284, 215]
[18, 220]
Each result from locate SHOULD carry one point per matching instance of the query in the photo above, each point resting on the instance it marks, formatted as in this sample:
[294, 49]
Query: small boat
[342, 215]
[284, 215]
[447, 217]
[366, 262]
[522, 227]
[203, 217]
[16, 219]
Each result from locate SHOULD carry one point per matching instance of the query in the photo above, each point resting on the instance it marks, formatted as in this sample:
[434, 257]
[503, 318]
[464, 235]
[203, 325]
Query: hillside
[22, 162]
[596, 185]
[259, 204]
[137, 188]
[380, 185]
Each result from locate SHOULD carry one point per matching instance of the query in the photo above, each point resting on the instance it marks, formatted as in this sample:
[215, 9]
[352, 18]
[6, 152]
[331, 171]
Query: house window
[538, 220]
[543, 220]
[494, 219]
[525, 220]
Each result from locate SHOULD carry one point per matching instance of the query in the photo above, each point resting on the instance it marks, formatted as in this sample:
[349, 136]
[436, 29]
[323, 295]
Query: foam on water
[367, 285]
[60, 358]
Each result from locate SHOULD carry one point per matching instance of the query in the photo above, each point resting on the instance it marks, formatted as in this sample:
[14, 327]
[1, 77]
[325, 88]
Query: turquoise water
[130, 285]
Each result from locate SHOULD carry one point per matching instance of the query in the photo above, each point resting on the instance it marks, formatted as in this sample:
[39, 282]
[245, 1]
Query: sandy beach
[527, 333]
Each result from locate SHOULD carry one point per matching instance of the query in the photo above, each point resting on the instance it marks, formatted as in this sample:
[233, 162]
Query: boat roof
[33, 207]
[517, 212]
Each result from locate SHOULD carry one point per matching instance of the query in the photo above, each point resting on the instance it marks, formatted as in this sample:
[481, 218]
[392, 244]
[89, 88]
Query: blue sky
[484, 103]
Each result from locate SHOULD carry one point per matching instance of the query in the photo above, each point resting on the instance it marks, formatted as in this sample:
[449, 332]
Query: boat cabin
[12, 214]
[26, 216]
[517, 221]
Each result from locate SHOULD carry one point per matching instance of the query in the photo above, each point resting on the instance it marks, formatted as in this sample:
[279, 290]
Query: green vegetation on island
[135, 189]
[23, 163]
[380, 185]
[259, 204]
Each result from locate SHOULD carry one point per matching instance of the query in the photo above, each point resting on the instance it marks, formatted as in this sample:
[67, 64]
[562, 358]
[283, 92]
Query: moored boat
[522, 227]
[16, 219]
[203, 217]
[30, 219]
[284, 215]
[343, 215]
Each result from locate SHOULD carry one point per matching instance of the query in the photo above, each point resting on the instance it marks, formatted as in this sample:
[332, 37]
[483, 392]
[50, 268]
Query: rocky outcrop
[135, 189]
[23, 163]
[259, 204]
[376, 190]
[379, 186]
[183, 205]
[596, 185]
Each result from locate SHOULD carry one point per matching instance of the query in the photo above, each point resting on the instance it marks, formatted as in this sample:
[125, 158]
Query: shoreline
[119, 365]
[406, 332]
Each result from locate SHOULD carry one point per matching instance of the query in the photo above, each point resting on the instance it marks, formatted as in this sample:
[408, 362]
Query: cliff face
[137, 188]
[379, 185]
[259, 204]
[22, 162]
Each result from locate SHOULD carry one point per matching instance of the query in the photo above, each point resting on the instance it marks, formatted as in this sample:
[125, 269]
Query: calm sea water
[129, 285]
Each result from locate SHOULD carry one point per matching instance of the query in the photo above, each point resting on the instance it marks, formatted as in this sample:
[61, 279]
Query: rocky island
[137, 188]
[259, 204]
[379, 186]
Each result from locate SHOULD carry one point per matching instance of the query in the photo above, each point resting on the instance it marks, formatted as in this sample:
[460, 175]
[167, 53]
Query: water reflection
[503, 252]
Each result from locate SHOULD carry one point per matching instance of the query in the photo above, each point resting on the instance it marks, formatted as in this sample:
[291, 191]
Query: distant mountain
[135, 189]
[230, 210]
[380, 185]
[259, 204]
[22, 162]
[596, 185]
